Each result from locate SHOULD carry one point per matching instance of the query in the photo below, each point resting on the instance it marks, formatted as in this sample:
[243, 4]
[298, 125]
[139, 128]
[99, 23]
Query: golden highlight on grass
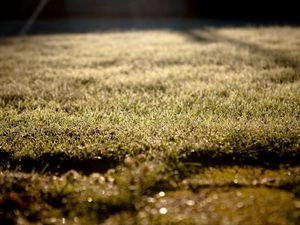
[170, 111]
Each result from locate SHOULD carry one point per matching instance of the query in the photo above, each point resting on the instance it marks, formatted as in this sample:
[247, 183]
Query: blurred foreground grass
[197, 126]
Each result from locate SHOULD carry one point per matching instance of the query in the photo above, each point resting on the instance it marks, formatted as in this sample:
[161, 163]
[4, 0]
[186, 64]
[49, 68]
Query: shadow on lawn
[260, 157]
[281, 58]
[58, 163]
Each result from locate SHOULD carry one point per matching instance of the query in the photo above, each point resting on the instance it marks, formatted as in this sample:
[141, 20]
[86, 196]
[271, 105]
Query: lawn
[186, 126]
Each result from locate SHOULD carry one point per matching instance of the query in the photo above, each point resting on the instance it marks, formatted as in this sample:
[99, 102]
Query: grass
[198, 126]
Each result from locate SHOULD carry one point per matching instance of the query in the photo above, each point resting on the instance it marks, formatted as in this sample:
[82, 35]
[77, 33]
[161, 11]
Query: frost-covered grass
[144, 112]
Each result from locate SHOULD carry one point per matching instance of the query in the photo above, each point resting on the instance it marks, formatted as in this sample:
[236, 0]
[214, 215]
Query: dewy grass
[144, 112]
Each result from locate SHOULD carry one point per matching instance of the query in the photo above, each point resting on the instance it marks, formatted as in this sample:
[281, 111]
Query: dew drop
[151, 200]
[190, 202]
[161, 194]
[163, 211]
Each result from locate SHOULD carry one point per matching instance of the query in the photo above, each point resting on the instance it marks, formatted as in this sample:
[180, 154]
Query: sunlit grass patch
[208, 117]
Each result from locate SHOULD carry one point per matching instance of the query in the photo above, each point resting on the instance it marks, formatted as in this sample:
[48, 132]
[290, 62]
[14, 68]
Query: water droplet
[267, 180]
[215, 197]
[64, 200]
[190, 202]
[163, 211]
[161, 194]
[254, 182]
[151, 200]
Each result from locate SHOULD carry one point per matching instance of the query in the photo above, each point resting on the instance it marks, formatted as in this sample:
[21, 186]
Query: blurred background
[112, 12]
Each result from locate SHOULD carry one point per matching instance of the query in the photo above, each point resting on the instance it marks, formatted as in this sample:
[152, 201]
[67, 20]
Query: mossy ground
[195, 126]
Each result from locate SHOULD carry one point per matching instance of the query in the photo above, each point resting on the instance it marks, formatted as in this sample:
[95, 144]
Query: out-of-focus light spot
[53, 220]
[190, 202]
[163, 211]
[64, 200]
[161, 194]
[239, 194]
[254, 182]
[240, 205]
[268, 180]
[151, 200]
[90, 199]
[215, 197]
[153, 211]
[63, 220]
